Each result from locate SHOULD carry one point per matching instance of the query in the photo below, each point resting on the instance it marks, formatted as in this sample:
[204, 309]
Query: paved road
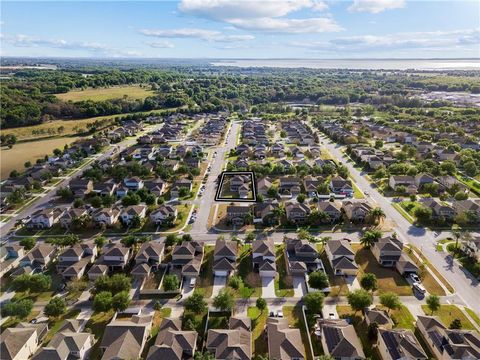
[467, 288]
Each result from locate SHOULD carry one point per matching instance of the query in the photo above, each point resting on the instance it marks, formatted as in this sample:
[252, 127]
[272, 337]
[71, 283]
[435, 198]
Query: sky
[319, 29]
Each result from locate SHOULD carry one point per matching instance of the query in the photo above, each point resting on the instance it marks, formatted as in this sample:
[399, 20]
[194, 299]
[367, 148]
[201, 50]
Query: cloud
[208, 35]
[265, 15]
[161, 44]
[375, 6]
[97, 49]
[292, 26]
[413, 41]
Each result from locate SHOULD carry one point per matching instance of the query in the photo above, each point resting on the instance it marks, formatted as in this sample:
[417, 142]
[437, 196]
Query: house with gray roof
[173, 343]
[341, 257]
[232, 343]
[339, 339]
[284, 342]
[399, 344]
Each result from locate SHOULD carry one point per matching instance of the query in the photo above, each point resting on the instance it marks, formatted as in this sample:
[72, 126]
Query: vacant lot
[16, 157]
[101, 94]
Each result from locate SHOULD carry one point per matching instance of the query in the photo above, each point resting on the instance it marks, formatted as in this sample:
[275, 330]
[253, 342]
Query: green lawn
[283, 282]
[388, 278]
[402, 318]
[96, 324]
[218, 321]
[54, 324]
[204, 284]
[101, 94]
[448, 313]
[252, 284]
[259, 319]
[338, 285]
[473, 315]
[158, 316]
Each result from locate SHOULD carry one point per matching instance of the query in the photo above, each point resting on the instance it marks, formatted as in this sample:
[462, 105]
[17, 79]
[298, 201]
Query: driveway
[299, 286]
[219, 283]
[186, 289]
[330, 311]
[268, 287]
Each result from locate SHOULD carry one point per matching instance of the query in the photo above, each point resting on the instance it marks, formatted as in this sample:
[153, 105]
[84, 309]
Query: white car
[280, 313]
[414, 278]
[419, 287]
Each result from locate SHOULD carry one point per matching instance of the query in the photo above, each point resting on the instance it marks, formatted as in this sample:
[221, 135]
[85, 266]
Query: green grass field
[101, 94]
[448, 313]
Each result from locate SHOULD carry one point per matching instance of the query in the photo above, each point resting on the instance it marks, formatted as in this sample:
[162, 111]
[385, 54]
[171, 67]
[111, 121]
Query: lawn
[402, 318]
[252, 284]
[338, 286]
[102, 94]
[198, 321]
[205, 281]
[295, 320]
[357, 194]
[218, 320]
[388, 278]
[432, 286]
[469, 263]
[97, 323]
[361, 328]
[448, 313]
[158, 316]
[259, 319]
[283, 281]
[473, 315]
[54, 324]
[12, 321]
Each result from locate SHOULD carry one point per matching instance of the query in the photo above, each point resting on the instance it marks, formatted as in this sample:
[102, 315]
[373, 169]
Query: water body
[360, 64]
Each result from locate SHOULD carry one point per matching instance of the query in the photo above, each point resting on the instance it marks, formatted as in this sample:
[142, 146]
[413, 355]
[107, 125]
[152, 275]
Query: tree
[318, 280]
[235, 282]
[359, 299]
[196, 303]
[250, 237]
[27, 243]
[96, 202]
[301, 198]
[20, 309]
[372, 331]
[102, 301]
[261, 304]
[171, 282]
[376, 214]
[370, 237]
[171, 239]
[314, 302]
[422, 213]
[187, 237]
[433, 302]
[55, 307]
[33, 283]
[115, 284]
[100, 241]
[368, 281]
[121, 301]
[390, 300]
[470, 168]
[224, 301]
[455, 324]
[461, 195]
[458, 234]
[203, 356]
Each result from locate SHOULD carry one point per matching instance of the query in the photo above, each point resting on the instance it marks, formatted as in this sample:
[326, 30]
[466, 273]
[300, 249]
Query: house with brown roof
[302, 257]
[150, 253]
[224, 257]
[237, 215]
[96, 271]
[387, 251]
[106, 216]
[341, 186]
[448, 344]
[332, 208]
[471, 247]
[399, 344]
[125, 339]
[20, 342]
[164, 214]
[469, 206]
[39, 257]
[232, 343]
[339, 339]
[356, 210]
[265, 212]
[263, 185]
[401, 180]
[284, 342]
[71, 215]
[379, 317]
[66, 345]
[188, 257]
[297, 212]
[263, 257]
[439, 210]
[81, 187]
[115, 256]
[45, 218]
[173, 343]
[130, 212]
[341, 257]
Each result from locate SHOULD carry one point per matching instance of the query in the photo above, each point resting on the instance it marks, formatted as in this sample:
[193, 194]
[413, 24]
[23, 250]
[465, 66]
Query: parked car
[419, 288]
[414, 278]
[280, 313]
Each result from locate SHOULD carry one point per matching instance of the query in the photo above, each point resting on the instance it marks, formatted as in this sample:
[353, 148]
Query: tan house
[341, 257]
[232, 343]
[284, 342]
[356, 210]
[339, 339]
[21, 342]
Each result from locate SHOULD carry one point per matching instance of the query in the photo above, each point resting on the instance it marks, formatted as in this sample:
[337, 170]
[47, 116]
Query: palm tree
[458, 234]
[376, 214]
[370, 237]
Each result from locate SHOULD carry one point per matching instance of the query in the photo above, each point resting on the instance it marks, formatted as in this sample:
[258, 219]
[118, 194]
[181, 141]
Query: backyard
[259, 319]
[283, 281]
[448, 313]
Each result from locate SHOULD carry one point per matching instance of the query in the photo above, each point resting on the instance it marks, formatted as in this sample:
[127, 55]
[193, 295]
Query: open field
[448, 313]
[101, 94]
[15, 158]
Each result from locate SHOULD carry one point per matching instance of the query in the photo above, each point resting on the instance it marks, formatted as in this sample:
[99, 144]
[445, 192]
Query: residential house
[466, 207]
[232, 343]
[178, 185]
[423, 179]
[263, 257]
[297, 212]
[356, 210]
[340, 186]
[96, 271]
[263, 185]
[379, 317]
[39, 257]
[172, 342]
[71, 215]
[188, 256]
[106, 188]
[406, 266]
[45, 218]
[284, 342]
[66, 345]
[311, 184]
[302, 257]
[439, 210]
[448, 344]
[399, 344]
[341, 257]
[238, 215]
[339, 339]
[471, 247]
[21, 342]
[81, 187]
[387, 251]
[224, 257]
[164, 214]
[265, 212]
[402, 180]
[131, 212]
[106, 216]
[133, 183]
[115, 255]
[156, 186]
[73, 261]
[290, 184]
[332, 208]
[150, 253]
[125, 339]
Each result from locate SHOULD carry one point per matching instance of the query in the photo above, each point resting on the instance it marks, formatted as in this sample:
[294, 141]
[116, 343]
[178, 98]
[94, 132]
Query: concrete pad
[299, 287]
[352, 283]
[268, 287]
[186, 289]
[219, 283]
[330, 311]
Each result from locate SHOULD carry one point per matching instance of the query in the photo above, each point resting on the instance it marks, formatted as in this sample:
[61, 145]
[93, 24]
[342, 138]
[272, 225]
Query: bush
[171, 283]
[235, 282]
[102, 301]
[314, 302]
[121, 301]
[19, 309]
[318, 280]
[55, 307]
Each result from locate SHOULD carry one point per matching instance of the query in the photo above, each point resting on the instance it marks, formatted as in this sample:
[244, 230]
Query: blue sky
[242, 29]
